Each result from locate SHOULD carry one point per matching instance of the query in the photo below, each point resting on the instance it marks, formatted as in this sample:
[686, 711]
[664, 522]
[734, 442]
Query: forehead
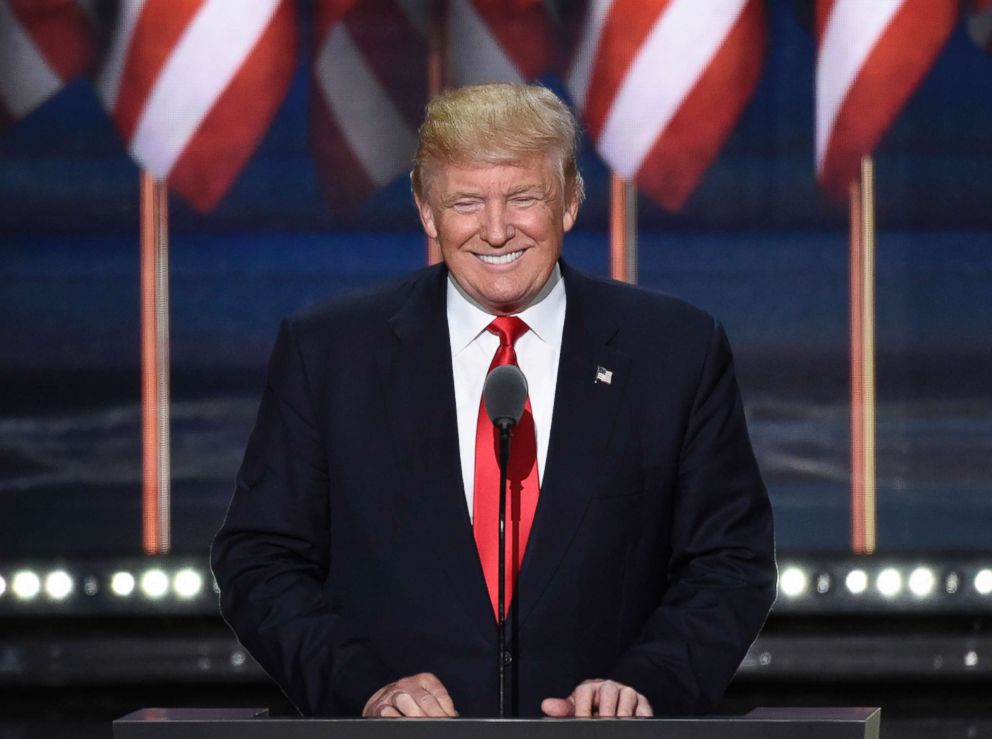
[536, 172]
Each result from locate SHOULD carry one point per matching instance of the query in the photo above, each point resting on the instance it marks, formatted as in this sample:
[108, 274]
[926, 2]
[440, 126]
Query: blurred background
[289, 187]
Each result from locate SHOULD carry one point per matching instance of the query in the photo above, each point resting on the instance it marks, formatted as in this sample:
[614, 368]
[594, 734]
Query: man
[348, 563]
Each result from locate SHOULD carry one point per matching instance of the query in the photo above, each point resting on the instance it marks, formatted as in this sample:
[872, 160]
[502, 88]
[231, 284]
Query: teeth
[502, 258]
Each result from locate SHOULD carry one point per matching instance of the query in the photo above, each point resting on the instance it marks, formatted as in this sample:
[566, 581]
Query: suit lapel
[419, 390]
[584, 412]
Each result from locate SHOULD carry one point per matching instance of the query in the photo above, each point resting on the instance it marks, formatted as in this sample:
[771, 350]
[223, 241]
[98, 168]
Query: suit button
[507, 658]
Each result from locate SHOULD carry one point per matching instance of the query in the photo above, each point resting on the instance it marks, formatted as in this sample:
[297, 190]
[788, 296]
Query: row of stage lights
[58, 585]
[889, 582]
[798, 584]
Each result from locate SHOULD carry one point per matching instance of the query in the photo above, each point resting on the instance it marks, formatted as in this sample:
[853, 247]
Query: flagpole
[155, 445]
[862, 276]
[437, 77]
[623, 229]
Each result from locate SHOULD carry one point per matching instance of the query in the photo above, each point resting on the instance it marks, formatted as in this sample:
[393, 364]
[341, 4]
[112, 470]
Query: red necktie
[523, 487]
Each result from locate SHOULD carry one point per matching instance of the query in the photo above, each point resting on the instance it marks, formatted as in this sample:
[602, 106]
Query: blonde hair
[498, 123]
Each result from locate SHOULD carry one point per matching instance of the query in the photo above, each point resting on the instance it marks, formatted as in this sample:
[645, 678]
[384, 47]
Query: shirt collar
[545, 316]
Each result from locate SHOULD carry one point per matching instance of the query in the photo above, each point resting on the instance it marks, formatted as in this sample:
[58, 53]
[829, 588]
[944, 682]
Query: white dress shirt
[472, 351]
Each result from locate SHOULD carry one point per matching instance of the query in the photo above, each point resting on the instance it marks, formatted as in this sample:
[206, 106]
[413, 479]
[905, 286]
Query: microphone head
[505, 394]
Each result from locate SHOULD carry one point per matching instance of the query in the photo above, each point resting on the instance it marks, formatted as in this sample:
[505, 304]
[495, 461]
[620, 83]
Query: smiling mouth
[501, 258]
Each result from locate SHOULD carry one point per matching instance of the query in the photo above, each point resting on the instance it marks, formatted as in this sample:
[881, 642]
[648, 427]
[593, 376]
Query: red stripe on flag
[523, 30]
[344, 180]
[627, 26]
[903, 55]
[61, 32]
[708, 114]
[231, 131]
[823, 10]
[156, 33]
[394, 52]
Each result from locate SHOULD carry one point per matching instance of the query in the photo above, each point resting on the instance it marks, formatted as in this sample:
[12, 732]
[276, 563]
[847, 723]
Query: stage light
[889, 582]
[58, 585]
[25, 585]
[922, 582]
[856, 582]
[793, 582]
[951, 583]
[122, 584]
[823, 583]
[91, 586]
[187, 583]
[983, 582]
[971, 658]
[3, 585]
[154, 583]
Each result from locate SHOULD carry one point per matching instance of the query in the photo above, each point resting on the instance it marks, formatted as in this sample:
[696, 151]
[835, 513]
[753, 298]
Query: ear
[426, 217]
[570, 214]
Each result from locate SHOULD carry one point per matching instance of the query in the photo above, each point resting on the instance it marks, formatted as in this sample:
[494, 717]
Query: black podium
[248, 723]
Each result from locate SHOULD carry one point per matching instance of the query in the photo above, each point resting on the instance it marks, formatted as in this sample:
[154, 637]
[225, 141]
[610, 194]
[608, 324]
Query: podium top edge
[795, 715]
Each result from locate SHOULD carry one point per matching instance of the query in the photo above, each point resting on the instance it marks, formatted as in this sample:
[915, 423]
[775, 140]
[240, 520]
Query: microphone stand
[505, 426]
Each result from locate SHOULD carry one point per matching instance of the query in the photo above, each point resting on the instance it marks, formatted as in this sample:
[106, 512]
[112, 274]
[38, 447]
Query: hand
[420, 695]
[598, 698]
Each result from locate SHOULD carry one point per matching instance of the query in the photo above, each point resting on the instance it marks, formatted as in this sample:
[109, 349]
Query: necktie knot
[508, 329]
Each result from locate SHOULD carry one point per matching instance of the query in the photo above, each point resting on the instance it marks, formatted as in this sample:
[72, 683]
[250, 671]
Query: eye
[523, 200]
[465, 206]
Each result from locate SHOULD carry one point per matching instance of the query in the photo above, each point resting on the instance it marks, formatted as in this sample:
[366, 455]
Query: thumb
[558, 707]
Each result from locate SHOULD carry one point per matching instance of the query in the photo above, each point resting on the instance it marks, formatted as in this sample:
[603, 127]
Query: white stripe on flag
[215, 45]
[26, 79]
[109, 82]
[476, 56]
[675, 54]
[852, 31]
[585, 54]
[376, 131]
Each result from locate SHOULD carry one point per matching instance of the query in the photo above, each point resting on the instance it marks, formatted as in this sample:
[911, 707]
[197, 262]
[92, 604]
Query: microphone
[505, 395]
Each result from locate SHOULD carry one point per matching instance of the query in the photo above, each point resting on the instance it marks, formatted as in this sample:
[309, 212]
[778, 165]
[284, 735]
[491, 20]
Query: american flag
[192, 86]
[369, 87]
[369, 78]
[43, 45]
[662, 83]
[870, 58]
[499, 40]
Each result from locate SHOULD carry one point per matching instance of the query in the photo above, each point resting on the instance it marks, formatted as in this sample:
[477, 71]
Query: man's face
[500, 228]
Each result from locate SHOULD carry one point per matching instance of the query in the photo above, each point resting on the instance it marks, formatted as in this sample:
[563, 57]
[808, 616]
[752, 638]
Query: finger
[428, 703]
[432, 696]
[447, 705]
[375, 703]
[643, 707]
[388, 711]
[627, 702]
[406, 704]
[583, 696]
[433, 685]
[608, 694]
[558, 707]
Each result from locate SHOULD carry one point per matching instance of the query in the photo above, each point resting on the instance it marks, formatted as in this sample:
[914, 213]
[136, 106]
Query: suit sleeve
[271, 558]
[721, 574]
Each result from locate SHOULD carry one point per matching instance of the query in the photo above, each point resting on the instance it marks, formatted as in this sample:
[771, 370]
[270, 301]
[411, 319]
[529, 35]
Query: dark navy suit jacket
[347, 558]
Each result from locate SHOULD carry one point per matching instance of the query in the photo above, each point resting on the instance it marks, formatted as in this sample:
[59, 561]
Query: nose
[496, 229]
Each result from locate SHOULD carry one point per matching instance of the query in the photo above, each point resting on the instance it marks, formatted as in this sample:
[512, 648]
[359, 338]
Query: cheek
[454, 233]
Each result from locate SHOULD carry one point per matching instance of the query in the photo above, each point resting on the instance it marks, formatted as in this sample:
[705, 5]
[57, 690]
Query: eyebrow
[536, 188]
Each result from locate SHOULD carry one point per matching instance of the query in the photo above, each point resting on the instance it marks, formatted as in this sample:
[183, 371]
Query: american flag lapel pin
[604, 375]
